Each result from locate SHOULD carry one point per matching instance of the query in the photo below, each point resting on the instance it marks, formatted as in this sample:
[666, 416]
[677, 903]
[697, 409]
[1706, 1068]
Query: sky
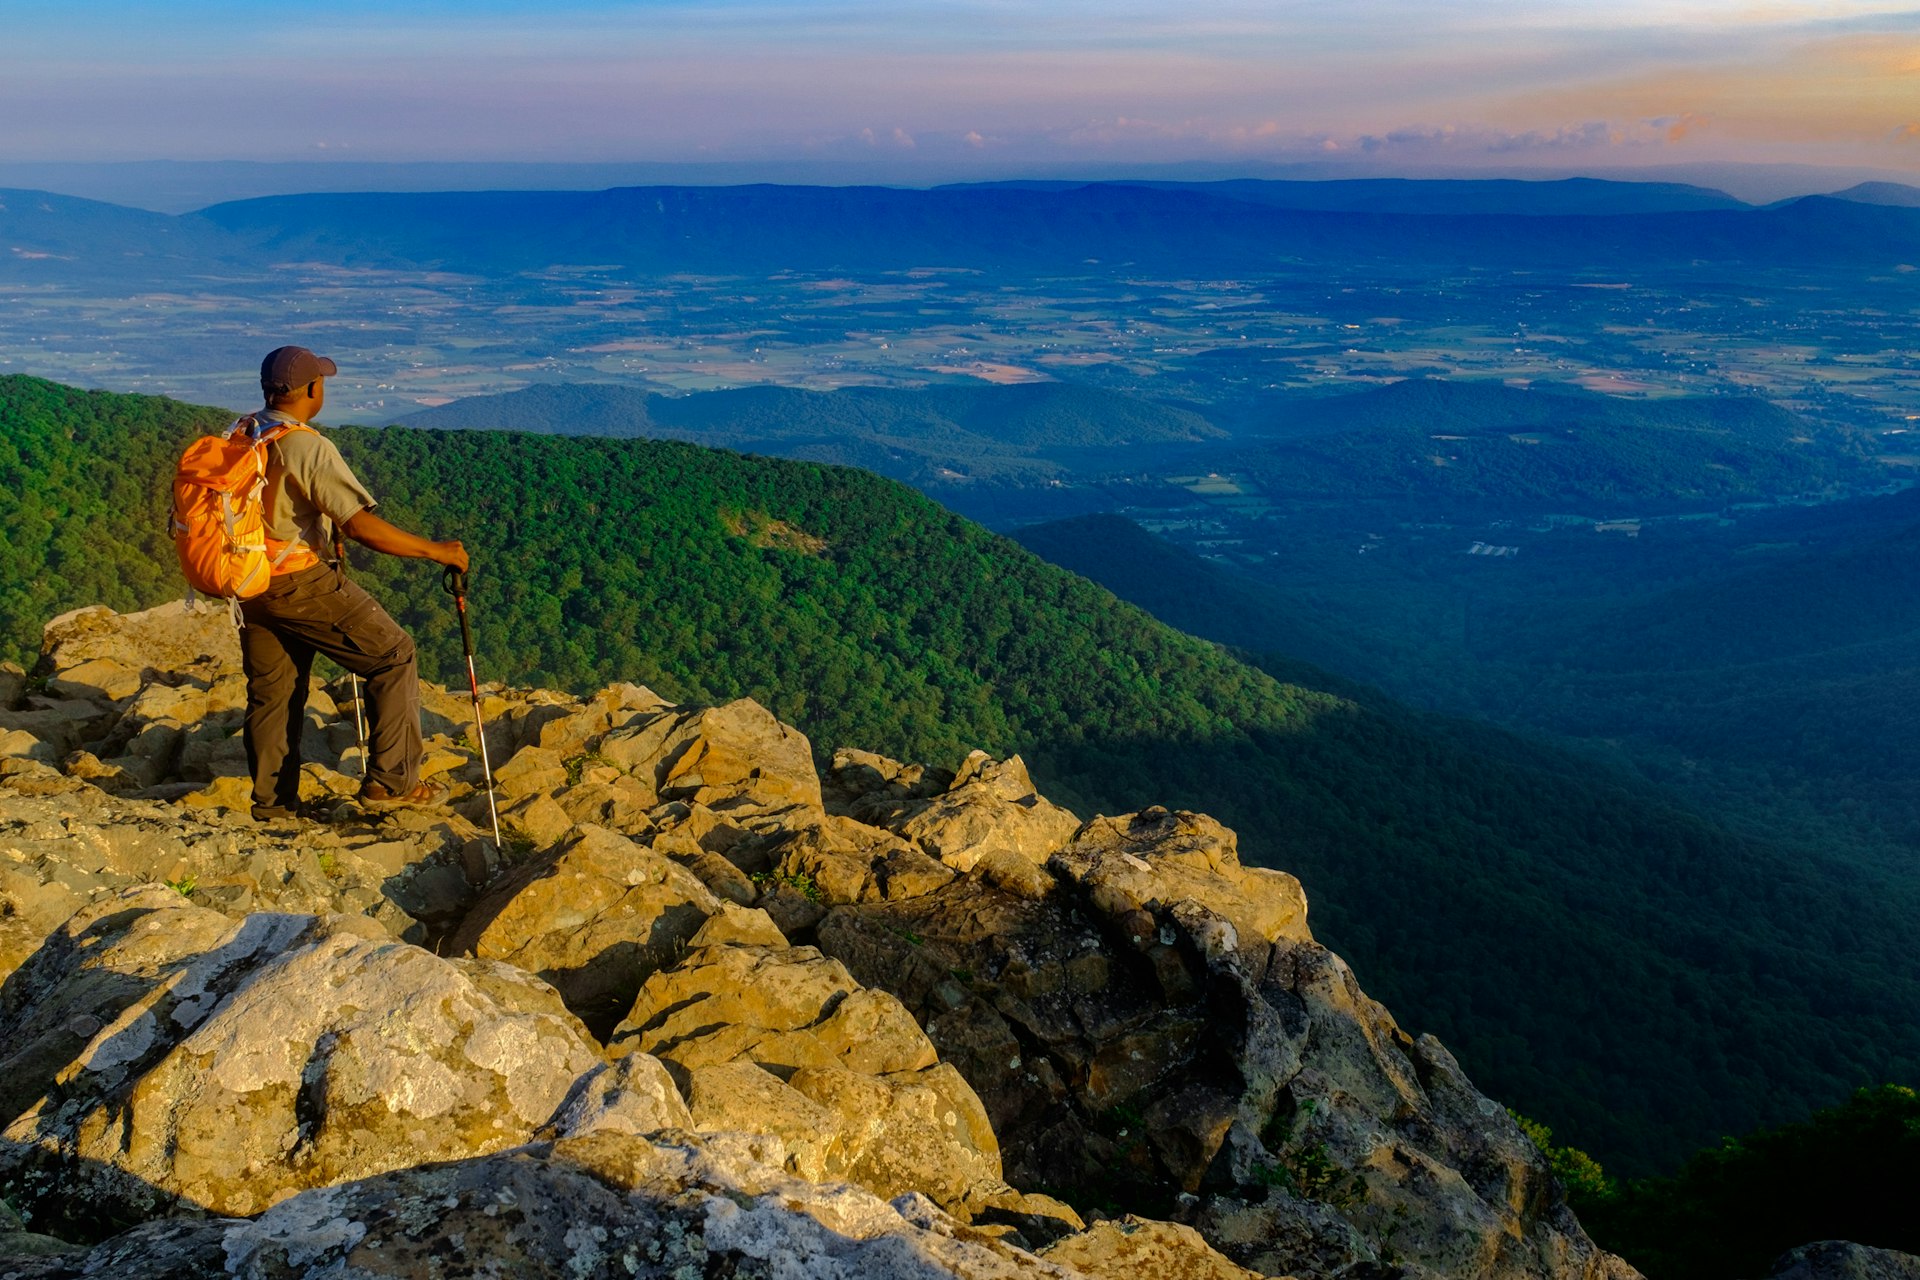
[918, 90]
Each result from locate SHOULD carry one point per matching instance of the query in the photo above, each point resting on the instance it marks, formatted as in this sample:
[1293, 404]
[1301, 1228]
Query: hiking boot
[375, 796]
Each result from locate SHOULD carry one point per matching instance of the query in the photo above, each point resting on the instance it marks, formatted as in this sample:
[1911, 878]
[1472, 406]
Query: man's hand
[451, 553]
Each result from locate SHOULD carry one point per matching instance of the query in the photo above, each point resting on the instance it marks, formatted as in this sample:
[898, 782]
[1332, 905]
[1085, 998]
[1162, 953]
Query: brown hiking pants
[314, 611]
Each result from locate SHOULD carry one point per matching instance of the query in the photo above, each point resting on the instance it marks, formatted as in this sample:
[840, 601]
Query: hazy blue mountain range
[52, 237]
[1032, 416]
[765, 228]
[745, 229]
[1447, 195]
[1895, 193]
[937, 438]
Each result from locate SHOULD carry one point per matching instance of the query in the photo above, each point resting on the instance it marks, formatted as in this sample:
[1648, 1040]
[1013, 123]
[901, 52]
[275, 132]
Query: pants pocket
[366, 629]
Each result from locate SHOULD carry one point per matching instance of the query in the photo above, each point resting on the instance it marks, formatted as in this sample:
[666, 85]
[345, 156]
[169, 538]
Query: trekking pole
[359, 717]
[455, 583]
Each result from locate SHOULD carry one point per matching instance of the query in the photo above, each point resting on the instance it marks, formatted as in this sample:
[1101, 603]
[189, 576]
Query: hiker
[311, 607]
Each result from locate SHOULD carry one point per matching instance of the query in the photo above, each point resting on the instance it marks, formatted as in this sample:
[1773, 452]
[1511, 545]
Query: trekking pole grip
[454, 582]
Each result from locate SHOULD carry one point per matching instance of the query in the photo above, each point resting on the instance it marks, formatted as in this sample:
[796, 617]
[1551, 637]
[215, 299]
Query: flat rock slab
[781, 1007]
[168, 1055]
[171, 638]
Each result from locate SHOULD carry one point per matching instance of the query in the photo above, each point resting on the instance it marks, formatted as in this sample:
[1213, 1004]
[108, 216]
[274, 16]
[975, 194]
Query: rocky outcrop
[1844, 1260]
[164, 1054]
[1130, 1248]
[1149, 1013]
[781, 1040]
[705, 1010]
[990, 807]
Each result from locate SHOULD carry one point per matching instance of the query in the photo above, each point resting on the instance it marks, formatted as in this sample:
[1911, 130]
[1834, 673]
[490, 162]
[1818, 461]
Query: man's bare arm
[369, 530]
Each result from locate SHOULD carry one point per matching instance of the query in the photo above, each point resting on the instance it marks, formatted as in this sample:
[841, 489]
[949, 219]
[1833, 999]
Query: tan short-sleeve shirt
[310, 489]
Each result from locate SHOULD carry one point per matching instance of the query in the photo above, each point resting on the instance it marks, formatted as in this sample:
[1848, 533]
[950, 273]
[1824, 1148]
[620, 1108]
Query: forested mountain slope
[1597, 955]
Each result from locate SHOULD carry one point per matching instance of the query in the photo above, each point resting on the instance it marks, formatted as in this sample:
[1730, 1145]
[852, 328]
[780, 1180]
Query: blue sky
[917, 89]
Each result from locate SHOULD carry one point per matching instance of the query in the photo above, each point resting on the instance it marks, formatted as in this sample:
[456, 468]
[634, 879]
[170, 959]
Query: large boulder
[596, 918]
[992, 807]
[1154, 863]
[905, 1131]
[633, 1094]
[572, 730]
[60, 853]
[160, 1054]
[875, 789]
[734, 759]
[174, 640]
[841, 860]
[781, 1041]
[781, 1007]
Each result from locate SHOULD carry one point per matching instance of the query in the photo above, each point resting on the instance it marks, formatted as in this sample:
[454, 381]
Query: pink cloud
[1686, 123]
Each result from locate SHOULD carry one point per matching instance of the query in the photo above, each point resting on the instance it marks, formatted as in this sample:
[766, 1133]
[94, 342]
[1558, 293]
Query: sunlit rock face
[703, 1011]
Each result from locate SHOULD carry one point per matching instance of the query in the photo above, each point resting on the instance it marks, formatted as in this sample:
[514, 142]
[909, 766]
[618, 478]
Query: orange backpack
[219, 515]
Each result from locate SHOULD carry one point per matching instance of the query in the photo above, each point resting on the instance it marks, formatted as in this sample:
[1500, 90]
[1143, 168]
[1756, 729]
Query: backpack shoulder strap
[266, 434]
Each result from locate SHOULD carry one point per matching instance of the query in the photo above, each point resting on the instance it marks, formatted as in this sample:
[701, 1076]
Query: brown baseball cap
[288, 367]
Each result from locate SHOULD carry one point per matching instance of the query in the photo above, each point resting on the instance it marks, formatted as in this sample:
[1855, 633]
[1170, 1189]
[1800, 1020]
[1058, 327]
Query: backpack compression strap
[263, 434]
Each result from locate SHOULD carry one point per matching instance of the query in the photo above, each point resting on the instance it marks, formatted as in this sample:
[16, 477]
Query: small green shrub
[577, 766]
[800, 882]
[1579, 1172]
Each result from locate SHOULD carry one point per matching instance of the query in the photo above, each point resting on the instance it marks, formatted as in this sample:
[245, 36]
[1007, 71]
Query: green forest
[1846, 1173]
[1599, 957]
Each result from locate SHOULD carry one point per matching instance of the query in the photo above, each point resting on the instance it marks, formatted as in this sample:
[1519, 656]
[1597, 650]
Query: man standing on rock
[310, 606]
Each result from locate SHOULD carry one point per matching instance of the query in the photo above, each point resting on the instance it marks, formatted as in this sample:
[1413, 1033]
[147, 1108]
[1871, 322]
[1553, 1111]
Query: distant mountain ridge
[746, 229]
[43, 235]
[738, 230]
[926, 435]
[1442, 196]
[1889, 193]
